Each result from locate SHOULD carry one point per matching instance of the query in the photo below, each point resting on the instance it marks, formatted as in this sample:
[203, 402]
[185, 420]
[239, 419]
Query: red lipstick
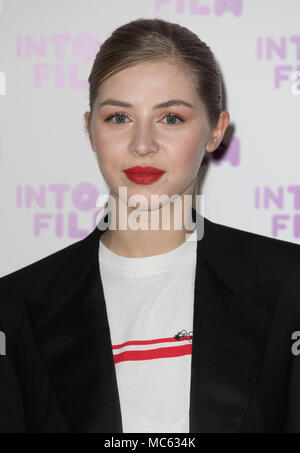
[143, 175]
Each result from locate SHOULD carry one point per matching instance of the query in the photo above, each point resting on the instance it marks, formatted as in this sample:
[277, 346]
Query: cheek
[106, 152]
[188, 154]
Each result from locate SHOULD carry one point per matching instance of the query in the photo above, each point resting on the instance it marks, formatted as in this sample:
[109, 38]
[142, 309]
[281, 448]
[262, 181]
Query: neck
[148, 233]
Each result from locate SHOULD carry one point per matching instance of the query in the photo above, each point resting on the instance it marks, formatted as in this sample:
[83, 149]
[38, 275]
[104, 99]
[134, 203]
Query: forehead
[155, 81]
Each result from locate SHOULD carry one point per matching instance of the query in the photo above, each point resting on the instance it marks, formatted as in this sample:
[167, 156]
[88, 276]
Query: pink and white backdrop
[49, 176]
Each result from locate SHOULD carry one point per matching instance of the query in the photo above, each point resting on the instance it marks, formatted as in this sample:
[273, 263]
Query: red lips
[143, 175]
[144, 170]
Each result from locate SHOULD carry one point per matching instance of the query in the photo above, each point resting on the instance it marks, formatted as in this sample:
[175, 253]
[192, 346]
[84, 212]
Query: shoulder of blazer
[35, 275]
[34, 279]
[245, 258]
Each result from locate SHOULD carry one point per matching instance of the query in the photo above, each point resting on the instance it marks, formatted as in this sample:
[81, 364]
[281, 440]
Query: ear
[219, 131]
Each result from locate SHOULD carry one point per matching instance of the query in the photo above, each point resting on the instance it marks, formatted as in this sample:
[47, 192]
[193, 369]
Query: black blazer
[58, 374]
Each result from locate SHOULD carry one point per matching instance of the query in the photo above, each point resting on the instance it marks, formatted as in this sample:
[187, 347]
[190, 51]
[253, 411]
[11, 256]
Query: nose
[144, 141]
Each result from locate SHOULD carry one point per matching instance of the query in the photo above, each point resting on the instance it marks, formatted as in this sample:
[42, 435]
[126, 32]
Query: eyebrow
[157, 106]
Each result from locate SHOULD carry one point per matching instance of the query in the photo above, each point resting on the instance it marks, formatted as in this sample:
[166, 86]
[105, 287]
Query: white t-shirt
[148, 301]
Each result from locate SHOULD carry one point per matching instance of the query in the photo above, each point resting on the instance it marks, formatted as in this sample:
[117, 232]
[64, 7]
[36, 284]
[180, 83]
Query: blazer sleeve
[27, 401]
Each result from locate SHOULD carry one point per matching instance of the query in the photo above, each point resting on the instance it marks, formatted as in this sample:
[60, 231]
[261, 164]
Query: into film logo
[296, 346]
[138, 219]
[2, 343]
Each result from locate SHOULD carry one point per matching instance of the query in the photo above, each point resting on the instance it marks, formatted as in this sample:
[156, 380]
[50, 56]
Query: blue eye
[116, 115]
[173, 116]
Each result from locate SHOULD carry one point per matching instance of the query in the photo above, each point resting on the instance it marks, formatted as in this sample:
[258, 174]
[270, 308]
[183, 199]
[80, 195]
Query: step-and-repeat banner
[49, 177]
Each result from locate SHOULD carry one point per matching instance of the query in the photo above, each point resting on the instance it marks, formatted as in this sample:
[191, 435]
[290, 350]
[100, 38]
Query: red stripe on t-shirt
[141, 342]
[150, 354]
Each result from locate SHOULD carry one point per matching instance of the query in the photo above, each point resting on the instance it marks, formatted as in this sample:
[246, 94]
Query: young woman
[154, 329]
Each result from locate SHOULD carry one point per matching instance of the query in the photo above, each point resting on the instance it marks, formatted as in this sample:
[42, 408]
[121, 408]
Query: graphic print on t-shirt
[154, 349]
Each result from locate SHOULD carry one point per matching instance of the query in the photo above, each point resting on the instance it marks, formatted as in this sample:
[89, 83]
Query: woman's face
[141, 134]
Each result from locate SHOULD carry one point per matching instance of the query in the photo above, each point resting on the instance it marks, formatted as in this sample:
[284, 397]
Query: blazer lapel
[74, 340]
[230, 331]
[71, 328]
